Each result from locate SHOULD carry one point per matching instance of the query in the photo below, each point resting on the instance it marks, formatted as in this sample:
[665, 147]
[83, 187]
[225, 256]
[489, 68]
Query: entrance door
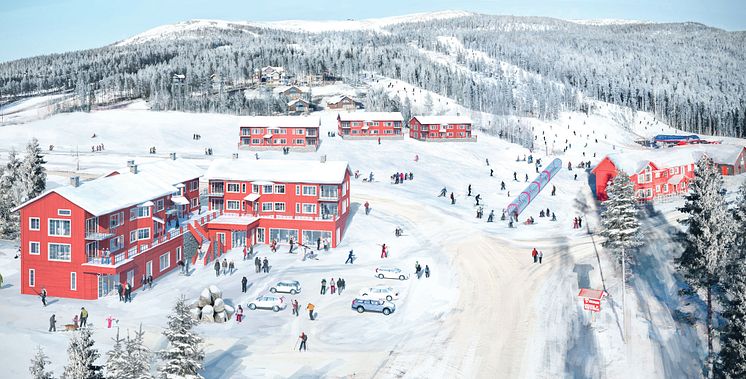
[131, 277]
[149, 268]
[107, 285]
[238, 238]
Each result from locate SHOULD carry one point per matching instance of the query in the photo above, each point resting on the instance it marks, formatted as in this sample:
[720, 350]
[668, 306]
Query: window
[31, 277]
[255, 188]
[266, 207]
[73, 281]
[116, 243]
[233, 205]
[300, 131]
[139, 234]
[195, 202]
[279, 207]
[299, 141]
[260, 235]
[59, 252]
[178, 253]
[255, 141]
[280, 188]
[60, 228]
[243, 187]
[234, 187]
[34, 248]
[63, 212]
[309, 190]
[267, 188]
[309, 208]
[34, 223]
[116, 219]
[256, 131]
[194, 185]
[139, 212]
[159, 205]
[297, 207]
[244, 131]
[297, 190]
[280, 131]
[165, 261]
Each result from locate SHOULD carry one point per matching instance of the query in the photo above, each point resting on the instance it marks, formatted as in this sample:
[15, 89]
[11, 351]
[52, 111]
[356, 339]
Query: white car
[380, 292]
[287, 286]
[391, 273]
[273, 302]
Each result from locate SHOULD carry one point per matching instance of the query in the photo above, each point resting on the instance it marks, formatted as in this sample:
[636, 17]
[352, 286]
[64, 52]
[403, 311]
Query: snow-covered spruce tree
[39, 365]
[117, 361]
[183, 356]
[33, 175]
[82, 356]
[139, 356]
[732, 360]
[11, 194]
[707, 240]
[620, 224]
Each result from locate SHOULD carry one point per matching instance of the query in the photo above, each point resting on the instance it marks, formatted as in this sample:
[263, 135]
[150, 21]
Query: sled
[71, 327]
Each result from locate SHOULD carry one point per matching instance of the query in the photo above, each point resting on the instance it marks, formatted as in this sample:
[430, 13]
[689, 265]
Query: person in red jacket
[534, 254]
[384, 251]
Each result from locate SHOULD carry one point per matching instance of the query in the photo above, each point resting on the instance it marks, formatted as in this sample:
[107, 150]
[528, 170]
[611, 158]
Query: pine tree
[138, 356]
[184, 355]
[732, 362]
[619, 220]
[39, 365]
[11, 193]
[117, 363]
[82, 357]
[706, 241]
[33, 175]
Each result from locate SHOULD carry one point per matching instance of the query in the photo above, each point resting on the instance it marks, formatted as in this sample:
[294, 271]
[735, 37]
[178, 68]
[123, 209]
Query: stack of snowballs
[210, 308]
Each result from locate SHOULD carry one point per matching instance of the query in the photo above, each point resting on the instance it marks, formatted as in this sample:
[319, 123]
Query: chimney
[173, 156]
[75, 181]
[133, 168]
[323, 158]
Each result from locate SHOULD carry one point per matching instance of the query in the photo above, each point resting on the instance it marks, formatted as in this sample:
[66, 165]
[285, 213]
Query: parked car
[391, 273]
[380, 292]
[273, 302]
[287, 286]
[373, 305]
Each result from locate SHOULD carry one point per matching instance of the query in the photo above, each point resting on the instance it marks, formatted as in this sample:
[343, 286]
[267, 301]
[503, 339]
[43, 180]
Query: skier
[416, 157]
[576, 177]
[384, 252]
[487, 160]
[339, 285]
[370, 177]
[515, 176]
[526, 178]
[258, 264]
[244, 281]
[477, 198]
[310, 309]
[554, 217]
[53, 323]
[491, 217]
[83, 317]
[303, 337]
[502, 185]
[580, 222]
[217, 267]
[535, 254]
[350, 258]
[367, 207]
[492, 172]
[469, 190]
[541, 255]
[295, 307]
[575, 223]
[547, 212]
[239, 313]
[265, 265]
[443, 192]
[427, 271]
[323, 286]
[43, 296]
[453, 199]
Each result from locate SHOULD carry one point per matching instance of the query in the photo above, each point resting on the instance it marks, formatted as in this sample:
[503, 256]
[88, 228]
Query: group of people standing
[227, 267]
[334, 287]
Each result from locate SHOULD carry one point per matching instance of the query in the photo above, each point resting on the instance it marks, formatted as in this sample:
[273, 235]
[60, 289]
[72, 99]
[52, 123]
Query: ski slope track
[487, 311]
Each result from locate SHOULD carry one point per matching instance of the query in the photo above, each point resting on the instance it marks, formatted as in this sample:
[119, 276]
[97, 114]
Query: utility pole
[624, 297]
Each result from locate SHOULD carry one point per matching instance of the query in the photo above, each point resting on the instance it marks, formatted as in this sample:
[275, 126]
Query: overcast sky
[34, 27]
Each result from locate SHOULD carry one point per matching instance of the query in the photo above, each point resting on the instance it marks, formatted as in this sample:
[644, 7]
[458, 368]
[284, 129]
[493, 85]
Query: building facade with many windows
[297, 133]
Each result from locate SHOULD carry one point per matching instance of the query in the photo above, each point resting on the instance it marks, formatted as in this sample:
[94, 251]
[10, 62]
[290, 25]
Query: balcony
[99, 235]
[329, 197]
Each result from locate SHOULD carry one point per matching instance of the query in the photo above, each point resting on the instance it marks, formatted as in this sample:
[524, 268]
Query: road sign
[593, 305]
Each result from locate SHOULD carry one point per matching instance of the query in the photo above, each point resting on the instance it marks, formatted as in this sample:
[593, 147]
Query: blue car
[373, 305]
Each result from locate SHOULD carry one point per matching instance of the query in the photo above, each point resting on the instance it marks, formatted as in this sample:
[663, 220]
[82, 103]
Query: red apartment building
[665, 172]
[266, 200]
[81, 240]
[441, 128]
[370, 125]
[300, 133]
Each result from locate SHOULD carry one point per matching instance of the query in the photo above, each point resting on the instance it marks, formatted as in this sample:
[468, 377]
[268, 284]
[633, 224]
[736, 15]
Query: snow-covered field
[486, 311]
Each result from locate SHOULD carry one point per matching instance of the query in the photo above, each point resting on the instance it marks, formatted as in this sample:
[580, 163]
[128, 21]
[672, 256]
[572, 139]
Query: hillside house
[299, 106]
[298, 133]
[343, 102]
[370, 125]
[441, 129]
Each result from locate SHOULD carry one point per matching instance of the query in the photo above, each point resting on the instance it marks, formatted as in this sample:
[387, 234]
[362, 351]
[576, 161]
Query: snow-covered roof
[439, 120]
[371, 116]
[278, 171]
[338, 98]
[280, 121]
[281, 89]
[170, 171]
[633, 161]
[293, 102]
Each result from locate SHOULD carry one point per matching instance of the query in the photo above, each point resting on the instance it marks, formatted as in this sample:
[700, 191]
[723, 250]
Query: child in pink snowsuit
[332, 287]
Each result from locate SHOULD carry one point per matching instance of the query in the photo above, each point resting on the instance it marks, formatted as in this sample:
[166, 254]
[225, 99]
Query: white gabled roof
[168, 170]
[338, 98]
[291, 103]
[633, 161]
[278, 171]
[280, 121]
[371, 116]
[439, 120]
